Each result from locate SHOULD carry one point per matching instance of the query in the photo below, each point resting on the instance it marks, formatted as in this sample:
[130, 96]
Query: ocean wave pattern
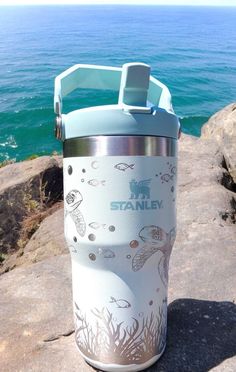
[191, 50]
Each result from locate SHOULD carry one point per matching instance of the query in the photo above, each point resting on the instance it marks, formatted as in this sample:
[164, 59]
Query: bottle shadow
[201, 335]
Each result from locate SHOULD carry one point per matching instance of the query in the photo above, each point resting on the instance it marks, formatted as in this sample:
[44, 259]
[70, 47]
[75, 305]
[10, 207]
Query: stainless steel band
[120, 146]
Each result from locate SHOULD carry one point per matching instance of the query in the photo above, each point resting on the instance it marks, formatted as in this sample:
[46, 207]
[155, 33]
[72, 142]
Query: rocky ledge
[37, 332]
[28, 191]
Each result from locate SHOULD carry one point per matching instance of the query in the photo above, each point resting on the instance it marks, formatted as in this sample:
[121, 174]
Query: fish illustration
[95, 182]
[153, 234]
[73, 200]
[121, 304]
[144, 253]
[167, 177]
[123, 166]
[173, 170]
[97, 225]
[106, 252]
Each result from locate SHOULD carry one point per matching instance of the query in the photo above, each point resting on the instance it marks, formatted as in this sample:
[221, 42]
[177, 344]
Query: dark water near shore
[190, 49]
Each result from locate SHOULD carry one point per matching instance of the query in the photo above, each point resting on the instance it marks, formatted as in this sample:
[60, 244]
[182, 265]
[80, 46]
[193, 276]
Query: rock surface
[35, 310]
[47, 241]
[222, 127]
[35, 300]
[26, 189]
[204, 252]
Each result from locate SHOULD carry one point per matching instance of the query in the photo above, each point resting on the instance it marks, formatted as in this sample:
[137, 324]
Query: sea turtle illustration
[73, 200]
[154, 235]
[163, 244]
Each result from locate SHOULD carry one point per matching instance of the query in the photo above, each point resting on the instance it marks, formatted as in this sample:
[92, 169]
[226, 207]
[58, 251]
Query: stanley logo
[139, 198]
[140, 189]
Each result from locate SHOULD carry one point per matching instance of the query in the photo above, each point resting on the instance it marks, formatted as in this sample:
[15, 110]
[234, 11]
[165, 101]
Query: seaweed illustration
[112, 342]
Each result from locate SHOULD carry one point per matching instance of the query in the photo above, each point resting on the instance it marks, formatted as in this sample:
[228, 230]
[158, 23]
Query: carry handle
[133, 81]
[84, 76]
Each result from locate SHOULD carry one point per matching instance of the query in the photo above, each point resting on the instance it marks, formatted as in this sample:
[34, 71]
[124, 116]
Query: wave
[192, 124]
[30, 118]
[10, 142]
[194, 117]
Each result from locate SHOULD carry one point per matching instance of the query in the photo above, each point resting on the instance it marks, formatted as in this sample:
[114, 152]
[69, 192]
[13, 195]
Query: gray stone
[200, 337]
[26, 188]
[47, 241]
[222, 127]
[204, 252]
[36, 307]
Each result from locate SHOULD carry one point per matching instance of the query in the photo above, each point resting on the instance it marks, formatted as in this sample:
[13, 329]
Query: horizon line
[126, 4]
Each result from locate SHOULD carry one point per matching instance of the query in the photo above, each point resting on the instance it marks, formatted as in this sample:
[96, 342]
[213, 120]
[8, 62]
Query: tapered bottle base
[124, 368]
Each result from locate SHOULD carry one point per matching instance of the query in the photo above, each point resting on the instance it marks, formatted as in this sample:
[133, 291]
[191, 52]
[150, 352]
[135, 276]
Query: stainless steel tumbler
[120, 168]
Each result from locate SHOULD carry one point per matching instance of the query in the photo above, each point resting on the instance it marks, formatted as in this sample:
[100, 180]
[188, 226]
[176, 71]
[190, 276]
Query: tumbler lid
[144, 103]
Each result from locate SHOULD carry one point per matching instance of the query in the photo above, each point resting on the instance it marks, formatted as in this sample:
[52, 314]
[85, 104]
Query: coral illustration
[112, 342]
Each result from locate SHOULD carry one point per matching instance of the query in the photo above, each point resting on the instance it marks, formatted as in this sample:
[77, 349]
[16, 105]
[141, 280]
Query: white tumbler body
[120, 226]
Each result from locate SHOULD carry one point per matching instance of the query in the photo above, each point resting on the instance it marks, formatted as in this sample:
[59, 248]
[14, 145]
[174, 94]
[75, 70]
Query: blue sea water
[190, 49]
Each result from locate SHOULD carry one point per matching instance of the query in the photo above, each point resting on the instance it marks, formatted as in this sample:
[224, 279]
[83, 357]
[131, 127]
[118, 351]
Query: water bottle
[120, 168]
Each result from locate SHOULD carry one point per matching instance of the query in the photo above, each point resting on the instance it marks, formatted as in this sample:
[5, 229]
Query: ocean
[190, 49]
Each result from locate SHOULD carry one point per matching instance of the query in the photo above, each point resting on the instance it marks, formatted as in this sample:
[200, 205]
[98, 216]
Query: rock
[46, 242]
[26, 188]
[203, 259]
[222, 127]
[37, 311]
[200, 336]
